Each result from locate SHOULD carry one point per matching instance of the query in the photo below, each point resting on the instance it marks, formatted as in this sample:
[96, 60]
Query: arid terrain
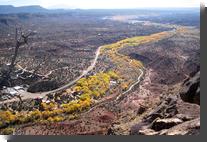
[100, 72]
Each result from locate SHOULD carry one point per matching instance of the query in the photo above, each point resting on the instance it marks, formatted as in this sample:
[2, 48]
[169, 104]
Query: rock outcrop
[190, 91]
[177, 114]
[41, 86]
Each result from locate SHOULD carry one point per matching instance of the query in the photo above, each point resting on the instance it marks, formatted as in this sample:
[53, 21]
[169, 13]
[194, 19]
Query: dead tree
[20, 40]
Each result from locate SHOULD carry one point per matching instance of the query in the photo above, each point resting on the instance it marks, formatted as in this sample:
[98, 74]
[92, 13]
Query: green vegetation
[7, 131]
[7, 117]
[76, 106]
[50, 106]
[55, 119]
[134, 41]
[96, 85]
[91, 88]
[121, 61]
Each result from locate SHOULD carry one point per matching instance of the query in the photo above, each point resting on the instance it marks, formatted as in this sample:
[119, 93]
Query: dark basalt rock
[167, 123]
[190, 91]
[187, 128]
[41, 86]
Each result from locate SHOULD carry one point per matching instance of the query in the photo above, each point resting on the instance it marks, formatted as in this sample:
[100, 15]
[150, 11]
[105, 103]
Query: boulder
[40, 86]
[147, 132]
[187, 128]
[166, 123]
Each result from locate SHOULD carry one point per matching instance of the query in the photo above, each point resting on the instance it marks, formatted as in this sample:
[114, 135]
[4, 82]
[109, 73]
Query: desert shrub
[113, 75]
[34, 115]
[7, 117]
[22, 118]
[50, 106]
[85, 104]
[77, 105]
[7, 131]
[71, 107]
[72, 116]
[47, 113]
[55, 119]
[84, 97]
[124, 86]
[58, 118]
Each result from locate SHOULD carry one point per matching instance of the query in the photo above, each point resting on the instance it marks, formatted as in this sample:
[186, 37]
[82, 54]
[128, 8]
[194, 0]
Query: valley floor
[138, 85]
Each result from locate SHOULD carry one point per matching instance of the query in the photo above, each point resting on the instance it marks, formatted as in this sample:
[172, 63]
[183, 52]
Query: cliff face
[177, 114]
[190, 91]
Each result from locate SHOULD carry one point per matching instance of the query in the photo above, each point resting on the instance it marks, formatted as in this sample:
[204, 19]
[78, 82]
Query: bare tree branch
[20, 40]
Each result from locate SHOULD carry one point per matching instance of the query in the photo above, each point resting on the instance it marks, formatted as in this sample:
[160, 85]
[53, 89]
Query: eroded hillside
[126, 83]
